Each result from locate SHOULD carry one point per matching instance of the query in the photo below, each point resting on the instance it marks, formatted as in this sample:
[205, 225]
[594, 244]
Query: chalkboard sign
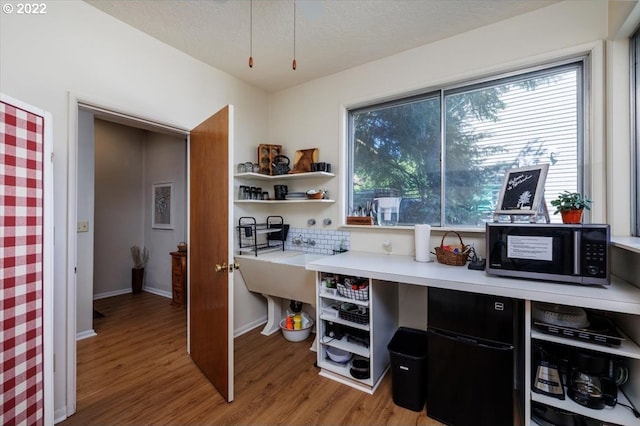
[522, 190]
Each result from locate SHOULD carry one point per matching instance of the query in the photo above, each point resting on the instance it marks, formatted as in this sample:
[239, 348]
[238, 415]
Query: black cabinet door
[469, 383]
[483, 316]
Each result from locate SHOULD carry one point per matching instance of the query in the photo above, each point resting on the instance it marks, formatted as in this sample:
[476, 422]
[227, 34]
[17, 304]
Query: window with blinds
[445, 153]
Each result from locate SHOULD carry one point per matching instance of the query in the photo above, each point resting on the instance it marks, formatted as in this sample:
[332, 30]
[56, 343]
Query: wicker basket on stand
[454, 254]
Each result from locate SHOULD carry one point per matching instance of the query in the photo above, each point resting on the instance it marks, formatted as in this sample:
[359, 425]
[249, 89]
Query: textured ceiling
[331, 35]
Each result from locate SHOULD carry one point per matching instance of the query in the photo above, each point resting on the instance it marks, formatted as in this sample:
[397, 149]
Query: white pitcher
[386, 210]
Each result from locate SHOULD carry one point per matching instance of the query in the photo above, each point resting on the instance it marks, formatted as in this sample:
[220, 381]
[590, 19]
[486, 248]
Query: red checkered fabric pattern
[21, 233]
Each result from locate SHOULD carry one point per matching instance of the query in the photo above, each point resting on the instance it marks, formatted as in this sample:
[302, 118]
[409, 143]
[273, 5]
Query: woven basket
[453, 258]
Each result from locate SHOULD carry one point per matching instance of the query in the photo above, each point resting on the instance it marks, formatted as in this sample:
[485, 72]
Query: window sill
[627, 243]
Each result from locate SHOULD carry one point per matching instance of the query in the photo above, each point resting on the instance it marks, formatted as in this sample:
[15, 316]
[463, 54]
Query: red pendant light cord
[294, 64]
[251, 37]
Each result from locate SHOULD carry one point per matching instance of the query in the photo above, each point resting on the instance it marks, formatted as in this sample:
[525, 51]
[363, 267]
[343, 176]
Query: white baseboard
[85, 334]
[157, 291]
[60, 415]
[250, 326]
[163, 293]
[97, 296]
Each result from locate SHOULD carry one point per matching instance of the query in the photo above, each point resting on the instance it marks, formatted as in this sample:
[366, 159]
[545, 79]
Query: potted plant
[571, 205]
[140, 257]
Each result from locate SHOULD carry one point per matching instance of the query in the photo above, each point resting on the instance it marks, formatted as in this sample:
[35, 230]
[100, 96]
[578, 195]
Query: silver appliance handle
[576, 252]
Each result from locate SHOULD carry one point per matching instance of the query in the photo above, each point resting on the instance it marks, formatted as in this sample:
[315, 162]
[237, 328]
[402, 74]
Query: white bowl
[296, 335]
[338, 355]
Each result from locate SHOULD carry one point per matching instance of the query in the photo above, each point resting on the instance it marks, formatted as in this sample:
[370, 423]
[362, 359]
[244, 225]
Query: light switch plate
[83, 226]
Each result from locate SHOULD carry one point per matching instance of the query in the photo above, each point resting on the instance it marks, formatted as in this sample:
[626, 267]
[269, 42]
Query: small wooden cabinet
[179, 278]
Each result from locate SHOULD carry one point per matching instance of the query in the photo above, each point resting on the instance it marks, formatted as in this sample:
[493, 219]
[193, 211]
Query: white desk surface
[620, 296]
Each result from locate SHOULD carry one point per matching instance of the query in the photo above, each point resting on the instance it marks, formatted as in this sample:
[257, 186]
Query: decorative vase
[571, 216]
[137, 278]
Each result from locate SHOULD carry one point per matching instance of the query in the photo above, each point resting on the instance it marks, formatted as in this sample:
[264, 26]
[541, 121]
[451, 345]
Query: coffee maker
[547, 371]
[593, 379]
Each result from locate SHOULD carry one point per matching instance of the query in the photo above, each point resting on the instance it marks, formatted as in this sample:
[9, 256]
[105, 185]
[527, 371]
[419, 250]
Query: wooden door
[211, 244]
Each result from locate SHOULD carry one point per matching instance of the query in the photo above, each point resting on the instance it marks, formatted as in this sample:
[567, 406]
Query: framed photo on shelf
[163, 206]
[522, 190]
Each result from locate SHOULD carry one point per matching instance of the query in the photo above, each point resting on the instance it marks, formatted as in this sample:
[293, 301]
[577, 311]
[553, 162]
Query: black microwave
[552, 252]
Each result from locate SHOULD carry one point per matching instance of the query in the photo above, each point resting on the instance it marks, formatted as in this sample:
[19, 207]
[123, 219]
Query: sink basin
[300, 259]
[279, 275]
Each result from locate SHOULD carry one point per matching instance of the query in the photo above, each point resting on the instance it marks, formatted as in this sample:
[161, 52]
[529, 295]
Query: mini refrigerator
[474, 362]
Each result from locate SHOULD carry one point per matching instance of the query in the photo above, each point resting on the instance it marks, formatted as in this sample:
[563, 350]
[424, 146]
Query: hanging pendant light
[294, 64]
[251, 37]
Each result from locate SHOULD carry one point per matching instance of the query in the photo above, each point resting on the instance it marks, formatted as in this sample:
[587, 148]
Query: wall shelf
[293, 176]
[618, 414]
[300, 201]
[628, 348]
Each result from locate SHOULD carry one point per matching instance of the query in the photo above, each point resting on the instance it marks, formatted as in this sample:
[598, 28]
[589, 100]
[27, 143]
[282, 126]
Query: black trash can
[408, 354]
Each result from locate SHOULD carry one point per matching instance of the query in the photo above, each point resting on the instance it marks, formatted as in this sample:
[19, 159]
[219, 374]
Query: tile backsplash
[321, 241]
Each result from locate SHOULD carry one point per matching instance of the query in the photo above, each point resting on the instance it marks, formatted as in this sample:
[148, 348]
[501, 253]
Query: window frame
[634, 107]
[379, 105]
[583, 173]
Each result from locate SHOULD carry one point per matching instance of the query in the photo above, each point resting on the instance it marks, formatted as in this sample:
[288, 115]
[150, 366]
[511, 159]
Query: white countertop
[620, 296]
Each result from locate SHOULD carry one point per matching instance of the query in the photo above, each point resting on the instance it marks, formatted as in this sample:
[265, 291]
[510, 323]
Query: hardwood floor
[136, 372]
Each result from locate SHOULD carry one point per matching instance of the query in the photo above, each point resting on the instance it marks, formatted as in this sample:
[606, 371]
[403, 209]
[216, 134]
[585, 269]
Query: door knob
[220, 268]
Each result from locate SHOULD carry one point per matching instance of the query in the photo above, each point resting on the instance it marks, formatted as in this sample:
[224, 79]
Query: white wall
[119, 205]
[165, 160]
[84, 276]
[75, 51]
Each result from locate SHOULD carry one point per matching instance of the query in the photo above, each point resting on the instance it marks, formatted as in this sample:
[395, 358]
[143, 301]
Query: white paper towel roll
[423, 239]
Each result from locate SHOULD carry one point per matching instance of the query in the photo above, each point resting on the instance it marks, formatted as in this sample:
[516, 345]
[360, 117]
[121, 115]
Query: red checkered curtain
[21, 252]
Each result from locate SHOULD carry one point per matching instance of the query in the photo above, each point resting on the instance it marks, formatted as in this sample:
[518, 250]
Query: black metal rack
[261, 237]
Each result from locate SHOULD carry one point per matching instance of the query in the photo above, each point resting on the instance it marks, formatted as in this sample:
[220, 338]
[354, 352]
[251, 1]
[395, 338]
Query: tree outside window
[453, 177]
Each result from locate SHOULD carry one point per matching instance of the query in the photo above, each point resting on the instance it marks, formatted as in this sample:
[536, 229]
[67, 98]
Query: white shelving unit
[382, 323]
[617, 414]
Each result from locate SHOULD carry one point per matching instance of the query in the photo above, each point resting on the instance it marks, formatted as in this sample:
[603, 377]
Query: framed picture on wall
[163, 206]
[522, 190]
